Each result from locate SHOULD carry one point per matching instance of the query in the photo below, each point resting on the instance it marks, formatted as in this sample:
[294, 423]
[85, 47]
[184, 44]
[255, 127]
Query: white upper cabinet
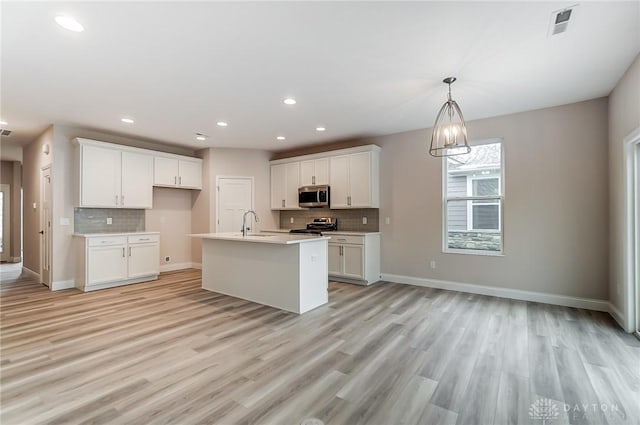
[117, 176]
[285, 181]
[352, 174]
[175, 172]
[165, 171]
[111, 178]
[355, 181]
[100, 177]
[137, 180]
[314, 172]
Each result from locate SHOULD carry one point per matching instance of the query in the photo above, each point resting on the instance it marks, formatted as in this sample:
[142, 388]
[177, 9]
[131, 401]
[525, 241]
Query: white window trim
[470, 205]
[445, 199]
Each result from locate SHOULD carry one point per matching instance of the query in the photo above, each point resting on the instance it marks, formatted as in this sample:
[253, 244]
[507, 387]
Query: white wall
[556, 196]
[236, 163]
[624, 117]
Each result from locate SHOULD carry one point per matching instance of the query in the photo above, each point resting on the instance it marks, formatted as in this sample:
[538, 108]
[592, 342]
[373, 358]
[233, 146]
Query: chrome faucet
[244, 221]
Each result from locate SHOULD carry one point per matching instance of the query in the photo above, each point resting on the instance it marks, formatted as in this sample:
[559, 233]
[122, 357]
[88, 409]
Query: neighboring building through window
[473, 185]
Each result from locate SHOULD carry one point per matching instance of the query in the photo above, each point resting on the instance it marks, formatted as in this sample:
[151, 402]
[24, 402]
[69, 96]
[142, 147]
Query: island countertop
[281, 239]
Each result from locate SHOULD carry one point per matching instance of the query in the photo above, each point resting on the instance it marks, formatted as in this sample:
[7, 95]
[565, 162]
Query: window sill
[474, 252]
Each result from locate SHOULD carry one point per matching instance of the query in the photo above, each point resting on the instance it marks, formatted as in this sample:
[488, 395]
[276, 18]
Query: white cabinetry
[175, 172]
[352, 174]
[354, 180]
[314, 172]
[355, 259]
[115, 179]
[107, 261]
[285, 181]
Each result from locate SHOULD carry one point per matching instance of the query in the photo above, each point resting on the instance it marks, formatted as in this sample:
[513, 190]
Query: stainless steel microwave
[313, 196]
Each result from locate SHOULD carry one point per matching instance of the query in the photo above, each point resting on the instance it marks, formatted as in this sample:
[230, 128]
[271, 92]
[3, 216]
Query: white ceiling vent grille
[559, 22]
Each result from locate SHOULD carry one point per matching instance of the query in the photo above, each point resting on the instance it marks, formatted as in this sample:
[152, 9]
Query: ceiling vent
[4, 132]
[560, 20]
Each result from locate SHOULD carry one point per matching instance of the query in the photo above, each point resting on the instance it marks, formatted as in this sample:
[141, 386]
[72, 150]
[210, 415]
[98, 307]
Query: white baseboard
[618, 317]
[516, 294]
[31, 274]
[179, 266]
[15, 259]
[63, 284]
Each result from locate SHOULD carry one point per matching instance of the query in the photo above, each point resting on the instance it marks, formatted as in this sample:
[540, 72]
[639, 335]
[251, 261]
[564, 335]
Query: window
[473, 201]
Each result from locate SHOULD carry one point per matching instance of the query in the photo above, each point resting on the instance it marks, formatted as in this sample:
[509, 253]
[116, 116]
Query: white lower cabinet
[355, 259]
[107, 261]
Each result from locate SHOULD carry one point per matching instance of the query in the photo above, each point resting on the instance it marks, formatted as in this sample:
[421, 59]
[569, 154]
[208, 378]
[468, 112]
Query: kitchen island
[289, 272]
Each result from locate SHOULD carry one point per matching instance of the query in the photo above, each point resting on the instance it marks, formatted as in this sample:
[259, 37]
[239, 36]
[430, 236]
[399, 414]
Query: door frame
[253, 194]
[632, 227]
[6, 223]
[43, 170]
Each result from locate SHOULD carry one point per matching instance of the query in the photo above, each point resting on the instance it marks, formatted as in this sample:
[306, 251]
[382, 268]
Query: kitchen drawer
[340, 239]
[107, 240]
[143, 238]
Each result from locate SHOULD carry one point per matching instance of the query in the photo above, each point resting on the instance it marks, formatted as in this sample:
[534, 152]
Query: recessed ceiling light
[4, 123]
[67, 22]
[320, 129]
[289, 101]
[201, 138]
[281, 138]
[127, 120]
[222, 124]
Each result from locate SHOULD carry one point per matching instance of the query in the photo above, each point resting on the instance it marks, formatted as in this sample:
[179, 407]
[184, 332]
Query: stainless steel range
[318, 225]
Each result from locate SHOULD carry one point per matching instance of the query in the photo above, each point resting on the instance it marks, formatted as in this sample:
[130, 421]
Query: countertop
[329, 233]
[93, 235]
[281, 239]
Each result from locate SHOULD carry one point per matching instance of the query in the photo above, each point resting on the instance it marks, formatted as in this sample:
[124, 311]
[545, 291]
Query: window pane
[463, 216]
[483, 161]
[486, 217]
[486, 187]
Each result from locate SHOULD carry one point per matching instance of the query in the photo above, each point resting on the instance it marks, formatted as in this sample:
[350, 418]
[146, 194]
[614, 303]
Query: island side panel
[314, 272]
[260, 272]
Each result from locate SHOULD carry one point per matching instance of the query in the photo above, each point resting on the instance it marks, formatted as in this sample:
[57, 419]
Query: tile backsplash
[94, 220]
[350, 220]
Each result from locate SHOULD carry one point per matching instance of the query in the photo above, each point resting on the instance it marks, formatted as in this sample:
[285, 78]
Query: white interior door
[45, 227]
[235, 197]
[5, 222]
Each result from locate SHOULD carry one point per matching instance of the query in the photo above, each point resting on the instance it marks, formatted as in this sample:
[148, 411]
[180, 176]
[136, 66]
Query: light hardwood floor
[170, 352]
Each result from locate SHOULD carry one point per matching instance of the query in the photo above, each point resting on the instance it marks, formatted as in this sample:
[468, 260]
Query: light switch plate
[291, 220]
[109, 220]
[387, 220]
[364, 220]
[64, 221]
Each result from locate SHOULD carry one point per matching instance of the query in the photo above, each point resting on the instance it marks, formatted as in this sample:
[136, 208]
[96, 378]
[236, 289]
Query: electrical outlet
[167, 259]
[109, 220]
[432, 264]
[64, 221]
[387, 220]
[291, 220]
[364, 220]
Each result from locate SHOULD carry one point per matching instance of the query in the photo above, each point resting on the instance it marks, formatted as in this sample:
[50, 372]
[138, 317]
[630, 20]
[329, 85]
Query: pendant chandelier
[449, 135]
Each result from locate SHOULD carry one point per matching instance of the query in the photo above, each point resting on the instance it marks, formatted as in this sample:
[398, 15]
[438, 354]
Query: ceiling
[356, 68]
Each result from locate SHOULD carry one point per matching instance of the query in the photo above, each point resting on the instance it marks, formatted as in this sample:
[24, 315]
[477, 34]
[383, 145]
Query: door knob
[41, 232]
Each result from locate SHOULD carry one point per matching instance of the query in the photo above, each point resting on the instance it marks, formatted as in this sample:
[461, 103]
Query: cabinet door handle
[348, 200]
[313, 180]
[122, 200]
[123, 252]
[116, 200]
[129, 251]
[180, 180]
[283, 203]
[175, 179]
